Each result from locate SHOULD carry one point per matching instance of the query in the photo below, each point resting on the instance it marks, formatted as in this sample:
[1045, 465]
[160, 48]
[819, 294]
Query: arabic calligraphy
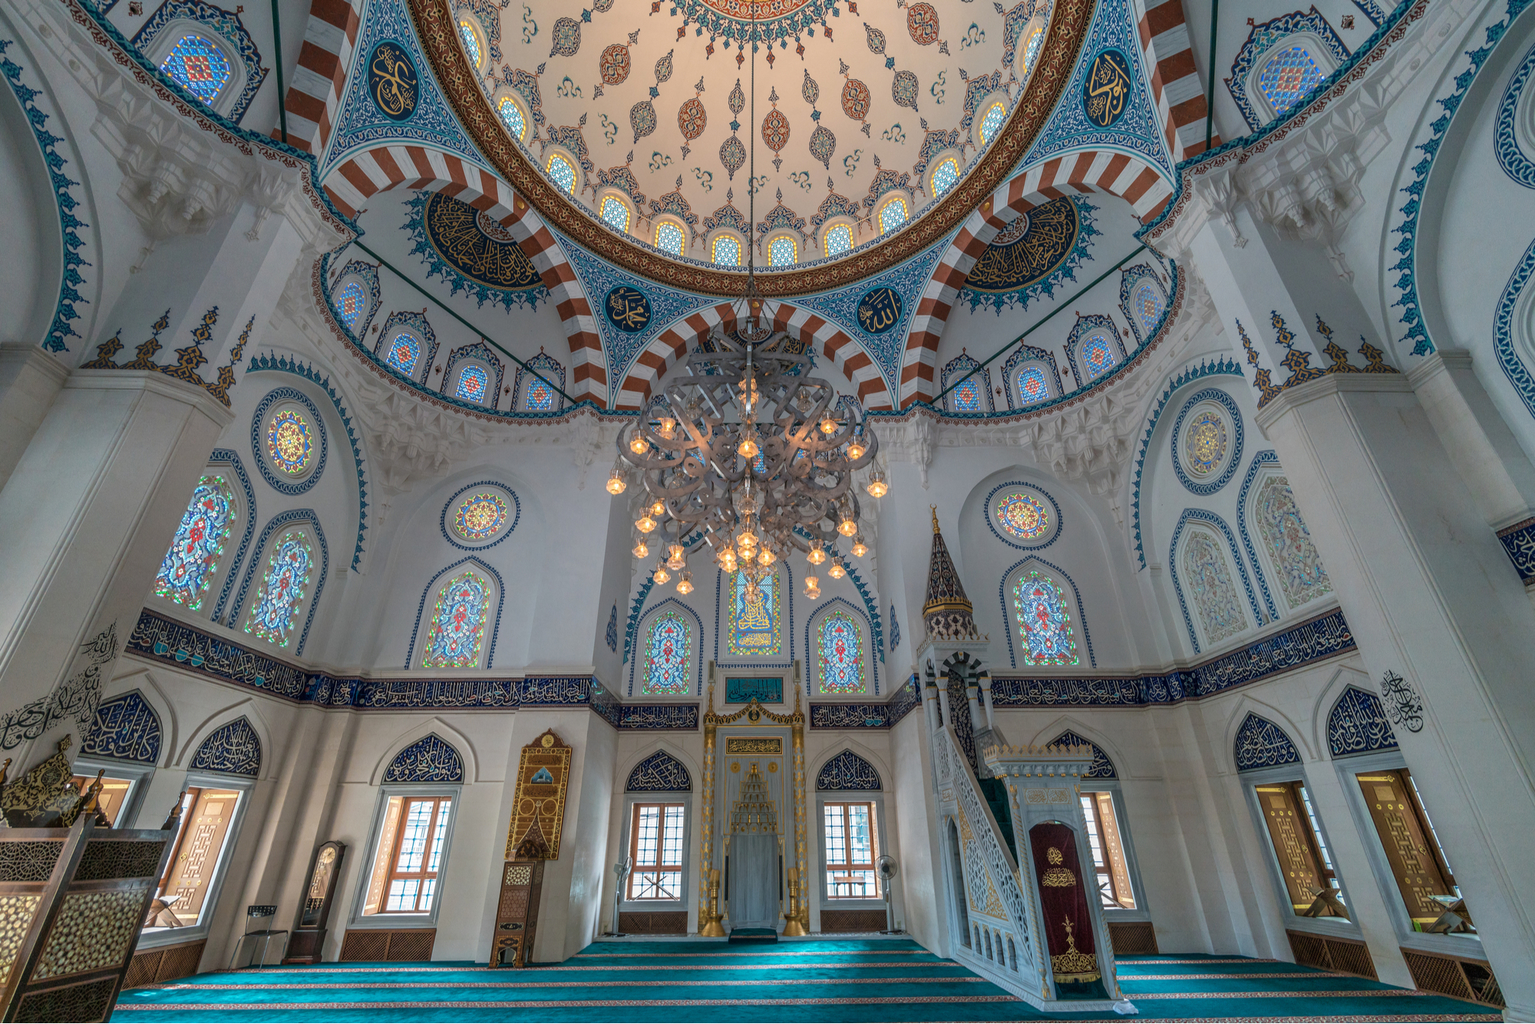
[1046, 240]
[467, 240]
[879, 310]
[627, 309]
[392, 82]
[1106, 89]
[742, 691]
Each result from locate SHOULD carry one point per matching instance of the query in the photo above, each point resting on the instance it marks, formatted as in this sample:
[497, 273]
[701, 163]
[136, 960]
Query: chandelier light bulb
[644, 523]
[641, 549]
[658, 508]
[836, 571]
[855, 451]
[676, 560]
[816, 555]
[728, 560]
[828, 426]
[639, 445]
[859, 547]
[685, 585]
[748, 447]
[812, 587]
[847, 527]
[661, 575]
[668, 425]
[876, 486]
[616, 483]
[765, 557]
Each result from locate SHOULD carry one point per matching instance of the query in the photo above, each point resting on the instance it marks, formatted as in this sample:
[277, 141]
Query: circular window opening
[290, 442]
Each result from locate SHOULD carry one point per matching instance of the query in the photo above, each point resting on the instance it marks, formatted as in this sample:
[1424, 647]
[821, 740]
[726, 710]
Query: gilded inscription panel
[754, 745]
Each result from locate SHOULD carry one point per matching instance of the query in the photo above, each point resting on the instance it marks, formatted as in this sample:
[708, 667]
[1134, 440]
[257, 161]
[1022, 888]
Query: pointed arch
[638, 665]
[429, 759]
[1285, 549]
[233, 748]
[126, 728]
[1214, 527]
[972, 385]
[231, 458]
[660, 772]
[847, 771]
[217, 506]
[1259, 743]
[1103, 765]
[281, 525]
[1020, 570]
[813, 641]
[1357, 724]
[418, 732]
[437, 583]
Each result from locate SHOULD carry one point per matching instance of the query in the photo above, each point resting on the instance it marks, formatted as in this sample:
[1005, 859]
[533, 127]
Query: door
[197, 852]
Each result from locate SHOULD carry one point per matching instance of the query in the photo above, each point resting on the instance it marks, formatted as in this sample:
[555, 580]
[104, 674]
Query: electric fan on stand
[886, 866]
[621, 871]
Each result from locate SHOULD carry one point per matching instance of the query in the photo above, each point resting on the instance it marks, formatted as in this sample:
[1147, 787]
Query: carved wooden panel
[538, 810]
[1459, 977]
[1346, 956]
[1133, 938]
[511, 941]
[833, 921]
[672, 922]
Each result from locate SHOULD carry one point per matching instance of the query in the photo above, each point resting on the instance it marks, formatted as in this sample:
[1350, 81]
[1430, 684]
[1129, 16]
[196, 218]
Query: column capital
[154, 382]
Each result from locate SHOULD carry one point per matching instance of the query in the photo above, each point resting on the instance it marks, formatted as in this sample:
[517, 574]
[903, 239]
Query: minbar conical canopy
[946, 610]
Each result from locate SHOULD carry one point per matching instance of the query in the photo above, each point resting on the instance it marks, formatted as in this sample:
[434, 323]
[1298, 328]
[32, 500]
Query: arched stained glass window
[668, 655]
[839, 655]
[404, 351]
[562, 172]
[1097, 355]
[1208, 577]
[614, 213]
[1032, 386]
[194, 555]
[944, 177]
[540, 395]
[283, 587]
[1031, 50]
[1287, 77]
[837, 240]
[1044, 622]
[472, 384]
[1296, 559]
[1148, 306]
[458, 623]
[783, 251]
[727, 251]
[351, 302]
[199, 66]
[967, 395]
[511, 114]
[893, 214]
[995, 115]
[669, 238]
[471, 42]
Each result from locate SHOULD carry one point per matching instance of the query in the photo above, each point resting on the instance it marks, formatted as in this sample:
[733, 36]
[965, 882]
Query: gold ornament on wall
[538, 809]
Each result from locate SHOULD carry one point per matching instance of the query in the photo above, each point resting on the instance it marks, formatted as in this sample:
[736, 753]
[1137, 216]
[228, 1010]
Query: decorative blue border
[1055, 533]
[231, 458]
[284, 364]
[1325, 636]
[887, 715]
[1007, 613]
[281, 486]
[1211, 486]
[442, 520]
[64, 313]
[1503, 330]
[895, 629]
[682, 717]
[490, 648]
[1210, 519]
[1518, 541]
[698, 659]
[230, 30]
[280, 520]
[1222, 365]
[1260, 460]
[810, 650]
[1515, 163]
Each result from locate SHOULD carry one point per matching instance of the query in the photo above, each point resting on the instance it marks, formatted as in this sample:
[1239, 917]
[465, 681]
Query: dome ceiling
[652, 107]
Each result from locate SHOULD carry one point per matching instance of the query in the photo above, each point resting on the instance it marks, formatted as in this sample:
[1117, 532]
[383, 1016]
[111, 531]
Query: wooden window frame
[849, 866]
[658, 868]
[196, 785]
[1418, 816]
[440, 820]
[1306, 835]
[1104, 824]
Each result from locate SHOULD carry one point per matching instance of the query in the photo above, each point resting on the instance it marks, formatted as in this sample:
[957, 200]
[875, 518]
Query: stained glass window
[511, 113]
[194, 555]
[668, 655]
[837, 240]
[471, 42]
[945, 176]
[1022, 515]
[458, 623]
[783, 251]
[290, 442]
[614, 213]
[754, 622]
[198, 66]
[1208, 577]
[1044, 623]
[839, 652]
[1204, 442]
[1031, 51]
[1148, 306]
[540, 395]
[404, 350]
[967, 396]
[995, 115]
[1097, 356]
[669, 238]
[892, 215]
[281, 593]
[1288, 76]
[1032, 386]
[351, 301]
[480, 516]
[562, 172]
[472, 384]
[727, 251]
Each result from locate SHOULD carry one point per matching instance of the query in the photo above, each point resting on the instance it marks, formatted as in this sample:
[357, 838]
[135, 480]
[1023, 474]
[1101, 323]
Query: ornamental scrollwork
[232, 749]
[1358, 725]
[1262, 744]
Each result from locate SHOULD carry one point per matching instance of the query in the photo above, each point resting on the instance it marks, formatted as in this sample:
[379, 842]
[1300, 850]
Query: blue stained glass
[351, 300]
[838, 240]
[193, 558]
[458, 623]
[1032, 386]
[754, 624]
[615, 214]
[1097, 356]
[840, 652]
[540, 396]
[1148, 306]
[282, 589]
[562, 172]
[472, 384]
[893, 215]
[198, 66]
[404, 350]
[1031, 51]
[1287, 77]
[669, 238]
[992, 121]
[945, 176]
[471, 43]
[511, 113]
[1044, 624]
[727, 251]
[782, 252]
[967, 396]
[668, 654]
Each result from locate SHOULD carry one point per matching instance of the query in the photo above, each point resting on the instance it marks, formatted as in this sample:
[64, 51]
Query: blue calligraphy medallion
[879, 310]
[1108, 89]
[627, 309]
[392, 81]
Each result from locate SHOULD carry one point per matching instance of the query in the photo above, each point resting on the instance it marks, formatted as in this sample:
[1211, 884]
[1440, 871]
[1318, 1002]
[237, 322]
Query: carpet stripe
[580, 984]
[1319, 975]
[904, 964]
[1204, 960]
[1323, 993]
[533, 1004]
[807, 952]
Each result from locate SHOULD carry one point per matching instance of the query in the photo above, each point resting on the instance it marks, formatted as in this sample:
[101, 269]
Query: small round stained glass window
[995, 115]
[1022, 515]
[198, 66]
[511, 114]
[479, 517]
[290, 442]
[1204, 442]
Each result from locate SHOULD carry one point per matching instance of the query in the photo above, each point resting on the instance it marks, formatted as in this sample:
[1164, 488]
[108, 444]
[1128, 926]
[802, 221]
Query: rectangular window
[206, 816]
[1417, 861]
[851, 850]
[1108, 852]
[1296, 834]
[408, 864]
[114, 795]
[655, 847]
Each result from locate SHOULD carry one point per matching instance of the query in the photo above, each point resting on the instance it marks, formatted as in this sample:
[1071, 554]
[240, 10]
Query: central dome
[632, 127]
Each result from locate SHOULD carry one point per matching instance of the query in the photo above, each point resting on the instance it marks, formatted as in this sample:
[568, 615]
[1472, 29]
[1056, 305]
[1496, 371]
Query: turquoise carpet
[811, 980]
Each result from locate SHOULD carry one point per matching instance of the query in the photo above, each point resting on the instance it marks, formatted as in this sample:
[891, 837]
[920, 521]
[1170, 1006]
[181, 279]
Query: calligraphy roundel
[392, 81]
[855, 99]
[1107, 89]
[922, 23]
[614, 64]
[879, 310]
[627, 309]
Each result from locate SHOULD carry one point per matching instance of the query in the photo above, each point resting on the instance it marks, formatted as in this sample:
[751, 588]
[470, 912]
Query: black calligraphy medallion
[1107, 89]
[879, 310]
[392, 81]
[627, 309]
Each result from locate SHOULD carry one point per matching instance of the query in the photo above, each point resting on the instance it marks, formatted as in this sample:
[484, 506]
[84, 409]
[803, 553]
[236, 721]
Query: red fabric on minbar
[1063, 898]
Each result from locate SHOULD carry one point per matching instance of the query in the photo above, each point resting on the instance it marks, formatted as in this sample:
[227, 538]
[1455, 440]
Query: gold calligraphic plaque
[538, 810]
[754, 745]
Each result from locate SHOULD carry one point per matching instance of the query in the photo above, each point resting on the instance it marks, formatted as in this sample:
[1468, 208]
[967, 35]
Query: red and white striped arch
[1129, 177]
[377, 170]
[668, 347]
[320, 77]
[1175, 86]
